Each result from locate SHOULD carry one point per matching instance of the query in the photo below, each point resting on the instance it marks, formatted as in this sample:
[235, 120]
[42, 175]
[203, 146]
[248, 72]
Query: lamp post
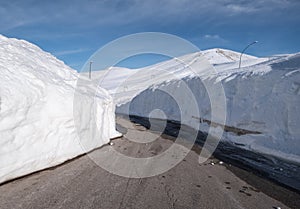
[254, 42]
[90, 72]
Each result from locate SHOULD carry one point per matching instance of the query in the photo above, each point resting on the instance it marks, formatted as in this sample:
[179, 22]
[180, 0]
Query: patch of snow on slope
[218, 56]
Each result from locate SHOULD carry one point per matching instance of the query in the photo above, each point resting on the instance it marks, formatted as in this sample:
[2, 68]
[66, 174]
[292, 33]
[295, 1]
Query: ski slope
[37, 127]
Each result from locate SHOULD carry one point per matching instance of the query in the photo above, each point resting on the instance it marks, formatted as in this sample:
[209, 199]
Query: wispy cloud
[214, 38]
[74, 26]
[208, 36]
[235, 8]
[115, 12]
[257, 6]
[68, 52]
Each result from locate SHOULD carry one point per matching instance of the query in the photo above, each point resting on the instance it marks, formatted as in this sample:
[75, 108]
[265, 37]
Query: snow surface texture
[36, 111]
[221, 56]
[262, 97]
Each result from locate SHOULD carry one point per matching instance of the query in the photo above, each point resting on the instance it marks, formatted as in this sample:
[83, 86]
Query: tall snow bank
[262, 102]
[36, 111]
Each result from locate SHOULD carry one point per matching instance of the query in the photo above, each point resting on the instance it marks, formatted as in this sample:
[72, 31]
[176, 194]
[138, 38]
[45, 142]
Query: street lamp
[90, 72]
[254, 42]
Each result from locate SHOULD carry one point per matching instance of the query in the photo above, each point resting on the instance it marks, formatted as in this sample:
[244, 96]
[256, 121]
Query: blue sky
[74, 30]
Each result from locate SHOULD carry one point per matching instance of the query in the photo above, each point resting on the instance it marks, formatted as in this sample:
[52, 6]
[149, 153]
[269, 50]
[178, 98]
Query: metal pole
[254, 42]
[90, 72]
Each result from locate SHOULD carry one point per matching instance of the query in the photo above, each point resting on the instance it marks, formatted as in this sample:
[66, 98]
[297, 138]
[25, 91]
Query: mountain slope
[218, 56]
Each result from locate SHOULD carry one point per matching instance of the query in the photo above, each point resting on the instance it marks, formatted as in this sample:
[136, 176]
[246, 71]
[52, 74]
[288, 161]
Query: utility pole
[254, 42]
[90, 72]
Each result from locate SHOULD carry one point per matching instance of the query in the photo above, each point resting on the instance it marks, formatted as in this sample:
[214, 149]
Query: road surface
[81, 183]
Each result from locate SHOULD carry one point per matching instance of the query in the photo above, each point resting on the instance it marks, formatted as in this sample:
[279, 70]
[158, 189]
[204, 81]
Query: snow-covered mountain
[218, 56]
[37, 127]
[138, 79]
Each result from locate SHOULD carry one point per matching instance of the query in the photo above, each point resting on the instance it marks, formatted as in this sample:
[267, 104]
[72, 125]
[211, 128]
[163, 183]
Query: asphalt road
[81, 183]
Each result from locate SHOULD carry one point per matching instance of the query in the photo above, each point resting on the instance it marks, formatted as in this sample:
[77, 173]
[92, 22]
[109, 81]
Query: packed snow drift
[262, 97]
[37, 127]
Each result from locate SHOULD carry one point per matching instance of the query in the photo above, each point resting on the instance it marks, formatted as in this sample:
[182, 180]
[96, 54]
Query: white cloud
[67, 52]
[213, 38]
[241, 8]
[117, 12]
[208, 36]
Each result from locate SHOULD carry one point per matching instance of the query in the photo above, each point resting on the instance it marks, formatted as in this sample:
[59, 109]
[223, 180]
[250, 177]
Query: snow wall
[37, 128]
[263, 112]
